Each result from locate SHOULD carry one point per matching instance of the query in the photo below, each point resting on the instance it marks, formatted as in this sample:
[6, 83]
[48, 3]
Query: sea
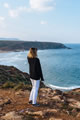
[61, 67]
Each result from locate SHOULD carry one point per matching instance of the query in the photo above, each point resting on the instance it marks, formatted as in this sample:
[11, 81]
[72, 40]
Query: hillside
[25, 45]
[12, 74]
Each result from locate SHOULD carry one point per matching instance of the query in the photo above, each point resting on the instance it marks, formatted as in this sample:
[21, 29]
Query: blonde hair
[32, 53]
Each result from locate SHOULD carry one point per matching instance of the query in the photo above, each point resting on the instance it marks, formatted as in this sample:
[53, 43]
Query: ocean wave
[63, 88]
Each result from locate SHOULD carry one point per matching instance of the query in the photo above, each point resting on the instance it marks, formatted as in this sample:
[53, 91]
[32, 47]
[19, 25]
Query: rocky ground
[54, 104]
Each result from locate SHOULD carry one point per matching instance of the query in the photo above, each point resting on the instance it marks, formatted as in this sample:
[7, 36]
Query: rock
[46, 90]
[57, 92]
[12, 116]
[5, 102]
[20, 93]
[57, 97]
[42, 113]
[29, 110]
[78, 115]
[74, 103]
[55, 118]
[49, 111]
[52, 110]
[76, 90]
[0, 108]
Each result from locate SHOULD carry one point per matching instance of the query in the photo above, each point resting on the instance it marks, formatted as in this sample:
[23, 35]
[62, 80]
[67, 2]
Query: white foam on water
[63, 88]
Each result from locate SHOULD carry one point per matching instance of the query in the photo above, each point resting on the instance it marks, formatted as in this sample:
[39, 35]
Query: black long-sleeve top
[35, 68]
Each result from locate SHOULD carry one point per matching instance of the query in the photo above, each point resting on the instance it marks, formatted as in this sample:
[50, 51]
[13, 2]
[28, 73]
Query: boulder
[42, 113]
[5, 101]
[74, 103]
[76, 90]
[57, 98]
[78, 115]
[12, 116]
[55, 118]
[57, 92]
[20, 93]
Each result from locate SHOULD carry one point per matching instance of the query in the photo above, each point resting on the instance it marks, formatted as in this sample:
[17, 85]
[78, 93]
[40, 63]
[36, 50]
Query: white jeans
[34, 91]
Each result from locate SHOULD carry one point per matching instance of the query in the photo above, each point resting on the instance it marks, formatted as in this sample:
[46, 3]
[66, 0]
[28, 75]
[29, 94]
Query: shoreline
[63, 89]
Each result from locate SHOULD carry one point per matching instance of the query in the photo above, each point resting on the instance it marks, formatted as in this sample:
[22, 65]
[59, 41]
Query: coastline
[64, 89]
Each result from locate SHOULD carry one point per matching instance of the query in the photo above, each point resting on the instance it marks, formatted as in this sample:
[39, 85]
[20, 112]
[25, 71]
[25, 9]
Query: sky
[40, 20]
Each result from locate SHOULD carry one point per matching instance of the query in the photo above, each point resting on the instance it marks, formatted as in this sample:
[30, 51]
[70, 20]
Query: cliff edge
[15, 88]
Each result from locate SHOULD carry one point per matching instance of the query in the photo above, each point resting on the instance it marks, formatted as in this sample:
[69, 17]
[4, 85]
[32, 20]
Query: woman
[35, 75]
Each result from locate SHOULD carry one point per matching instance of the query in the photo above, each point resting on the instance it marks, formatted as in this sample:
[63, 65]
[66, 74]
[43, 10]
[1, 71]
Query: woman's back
[35, 68]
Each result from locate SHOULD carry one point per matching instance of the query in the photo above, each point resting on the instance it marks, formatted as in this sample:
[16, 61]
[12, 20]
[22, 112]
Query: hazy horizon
[40, 20]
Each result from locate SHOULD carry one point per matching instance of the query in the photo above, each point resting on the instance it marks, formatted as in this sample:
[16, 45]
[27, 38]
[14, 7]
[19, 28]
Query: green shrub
[8, 85]
[21, 85]
[16, 86]
[28, 87]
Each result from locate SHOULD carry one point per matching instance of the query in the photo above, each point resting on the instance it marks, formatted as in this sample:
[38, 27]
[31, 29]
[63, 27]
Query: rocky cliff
[54, 104]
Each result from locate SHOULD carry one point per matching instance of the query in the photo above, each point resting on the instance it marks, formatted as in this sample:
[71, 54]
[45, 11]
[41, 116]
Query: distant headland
[14, 45]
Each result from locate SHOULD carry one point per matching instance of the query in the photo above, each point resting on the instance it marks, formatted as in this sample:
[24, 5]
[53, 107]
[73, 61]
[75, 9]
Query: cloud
[16, 12]
[42, 5]
[35, 5]
[6, 5]
[43, 22]
[2, 18]
[2, 24]
[13, 13]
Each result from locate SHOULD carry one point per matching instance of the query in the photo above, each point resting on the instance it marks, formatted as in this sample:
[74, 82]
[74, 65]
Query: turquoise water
[61, 67]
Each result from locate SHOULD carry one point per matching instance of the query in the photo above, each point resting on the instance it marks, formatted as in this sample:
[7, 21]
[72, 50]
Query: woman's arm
[40, 70]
